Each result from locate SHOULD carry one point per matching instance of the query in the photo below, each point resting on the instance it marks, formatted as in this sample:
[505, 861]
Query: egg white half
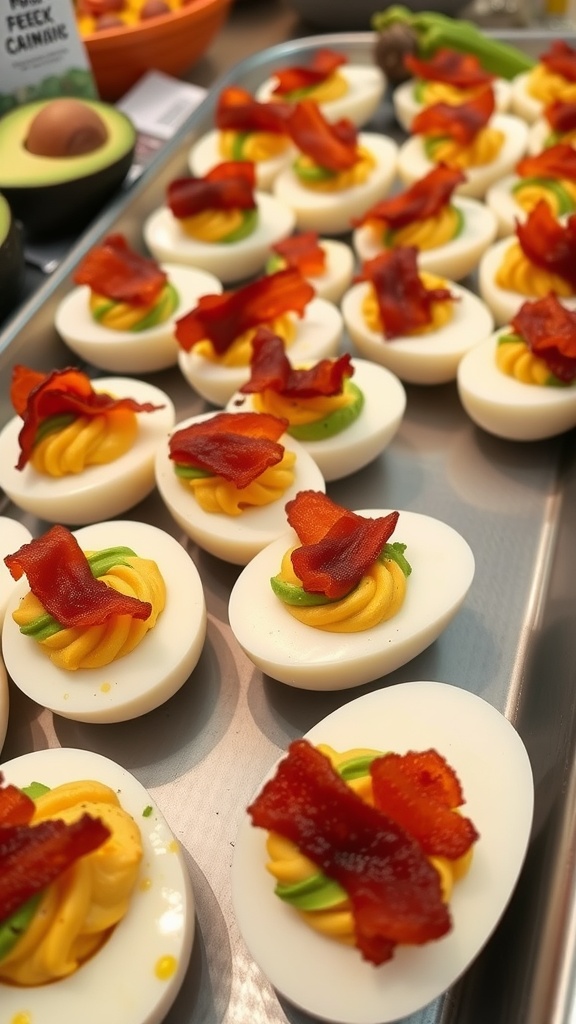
[538, 135]
[366, 85]
[331, 981]
[230, 262]
[500, 198]
[457, 258]
[152, 672]
[507, 407]
[367, 436]
[129, 351]
[413, 162]
[426, 358]
[523, 104]
[503, 303]
[406, 105]
[234, 539]
[339, 271]
[12, 536]
[205, 154]
[331, 213]
[312, 659]
[4, 703]
[118, 984]
[318, 335]
[98, 492]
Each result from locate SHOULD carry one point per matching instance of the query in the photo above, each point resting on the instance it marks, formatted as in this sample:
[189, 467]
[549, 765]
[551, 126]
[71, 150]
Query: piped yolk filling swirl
[68, 446]
[441, 312]
[332, 88]
[254, 146]
[220, 226]
[122, 316]
[429, 233]
[214, 494]
[319, 900]
[517, 273]
[319, 179]
[77, 913]
[332, 413]
[239, 353]
[560, 195]
[483, 149]
[514, 358]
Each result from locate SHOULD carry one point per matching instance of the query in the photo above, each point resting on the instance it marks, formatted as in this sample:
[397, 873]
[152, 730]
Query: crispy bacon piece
[323, 64]
[393, 890]
[404, 301]
[557, 161]
[113, 269]
[223, 318]
[560, 59]
[460, 122]
[36, 397]
[561, 116]
[16, 808]
[549, 330]
[333, 146]
[462, 70]
[549, 244]
[228, 186]
[238, 111]
[271, 369]
[416, 791]
[302, 252]
[338, 546]
[424, 199]
[31, 857]
[59, 576]
[235, 446]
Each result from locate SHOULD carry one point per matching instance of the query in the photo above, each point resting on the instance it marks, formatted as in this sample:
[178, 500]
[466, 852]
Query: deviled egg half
[326, 263]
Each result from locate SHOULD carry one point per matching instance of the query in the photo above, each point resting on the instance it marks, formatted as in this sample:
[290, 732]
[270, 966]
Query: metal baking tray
[204, 753]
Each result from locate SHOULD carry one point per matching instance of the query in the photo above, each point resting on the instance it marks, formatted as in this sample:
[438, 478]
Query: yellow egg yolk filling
[515, 359]
[239, 353]
[516, 273]
[528, 194]
[428, 93]
[254, 146]
[441, 311]
[290, 867]
[122, 316]
[86, 441]
[75, 648]
[300, 411]
[332, 88]
[546, 86]
[78, 911]
[377, 597]
[214, 494]
[338, 181]
[429, 233]
[483, 149]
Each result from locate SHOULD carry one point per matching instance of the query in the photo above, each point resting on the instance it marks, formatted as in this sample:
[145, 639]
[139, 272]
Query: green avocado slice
[315, 893]
[335, 422]
[246, 228]
[14, 926]
[191, 472]
[564, 201]
[311, 172]
[292, 593]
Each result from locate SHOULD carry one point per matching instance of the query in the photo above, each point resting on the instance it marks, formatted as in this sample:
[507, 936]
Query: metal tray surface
[205, 752]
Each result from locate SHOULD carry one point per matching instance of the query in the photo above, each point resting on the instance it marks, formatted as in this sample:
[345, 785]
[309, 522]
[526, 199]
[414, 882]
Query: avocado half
[57, 195]
[11, 259]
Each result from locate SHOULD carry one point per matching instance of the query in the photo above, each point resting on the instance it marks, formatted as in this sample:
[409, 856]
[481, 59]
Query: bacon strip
[33, 857]
[302, 252]
[36, 397]
[223, 318]
[115, 270]
[424, 199]
[237, 110]
[414, 790]
[16, 808]
[394, 891]
[333, 146]
[549, 330]
[561, 116]
[271, 369]
[560, 59]
[235, 446]
[228, 186]
[460, 122]
[404, 301]
[557, 161]
[323, 64]
[59, 576]
[338, 546]
[461, 70]
[549, 244]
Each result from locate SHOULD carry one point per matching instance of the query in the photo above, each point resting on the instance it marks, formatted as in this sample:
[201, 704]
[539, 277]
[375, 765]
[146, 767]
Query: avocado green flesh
[53, 423]
[166, 305]
[356, 767]
[314, 172]
[20, 169]
[246, 228]
[564, 201]
[335, 422]
[191, 472]
[100, 563]
[394, 552]
[14, 926]
[238, 145]
[35, 789]
[292, 593]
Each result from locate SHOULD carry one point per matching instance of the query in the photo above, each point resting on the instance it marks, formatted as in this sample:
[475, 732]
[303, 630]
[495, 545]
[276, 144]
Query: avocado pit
[65, 127]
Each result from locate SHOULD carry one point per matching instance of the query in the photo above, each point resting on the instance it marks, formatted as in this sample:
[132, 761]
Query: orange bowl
[169, 43]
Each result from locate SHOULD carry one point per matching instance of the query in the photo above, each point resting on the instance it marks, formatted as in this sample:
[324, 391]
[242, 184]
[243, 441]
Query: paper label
[41, 53]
